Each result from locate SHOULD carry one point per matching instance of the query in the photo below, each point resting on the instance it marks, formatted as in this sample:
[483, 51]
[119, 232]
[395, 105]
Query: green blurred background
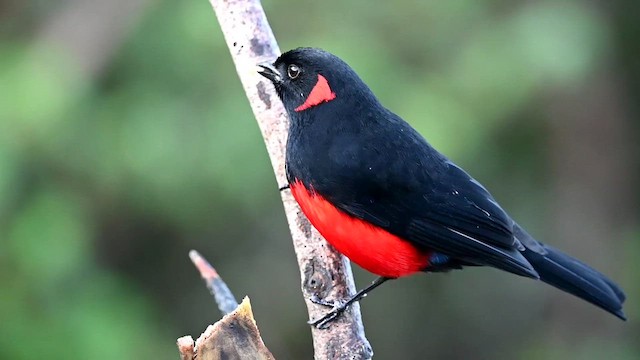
[126, 140]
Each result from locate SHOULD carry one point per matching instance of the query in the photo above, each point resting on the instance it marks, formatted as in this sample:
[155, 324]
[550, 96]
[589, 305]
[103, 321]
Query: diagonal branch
[324, 272]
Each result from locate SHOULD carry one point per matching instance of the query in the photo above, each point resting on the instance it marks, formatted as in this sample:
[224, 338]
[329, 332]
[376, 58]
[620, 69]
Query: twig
[324, 272]
[218, 288]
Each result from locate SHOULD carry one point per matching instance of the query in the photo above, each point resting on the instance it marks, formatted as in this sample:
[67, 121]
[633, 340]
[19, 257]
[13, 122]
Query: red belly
[371, 247]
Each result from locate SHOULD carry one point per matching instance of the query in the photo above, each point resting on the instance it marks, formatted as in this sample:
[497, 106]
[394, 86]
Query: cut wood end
[245, 311]
[235, 336]
[186, 347]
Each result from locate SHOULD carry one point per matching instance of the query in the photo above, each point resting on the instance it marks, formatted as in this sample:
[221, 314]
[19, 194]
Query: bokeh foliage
[109, 177]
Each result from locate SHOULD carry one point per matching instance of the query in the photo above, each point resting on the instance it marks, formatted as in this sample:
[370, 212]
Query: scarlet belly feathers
[371, 247]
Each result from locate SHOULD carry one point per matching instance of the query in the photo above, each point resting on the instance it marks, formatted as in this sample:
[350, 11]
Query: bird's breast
[369, 246]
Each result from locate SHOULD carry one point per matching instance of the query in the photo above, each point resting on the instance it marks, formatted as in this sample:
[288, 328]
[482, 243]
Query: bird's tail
[571, 275]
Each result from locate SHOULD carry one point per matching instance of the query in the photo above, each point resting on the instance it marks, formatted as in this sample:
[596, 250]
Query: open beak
[270, 72]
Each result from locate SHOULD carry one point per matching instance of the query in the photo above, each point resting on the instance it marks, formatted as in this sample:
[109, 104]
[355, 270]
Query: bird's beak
[270, 72]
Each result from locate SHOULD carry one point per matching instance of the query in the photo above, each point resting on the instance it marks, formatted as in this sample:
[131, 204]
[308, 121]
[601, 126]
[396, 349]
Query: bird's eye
[293, 71]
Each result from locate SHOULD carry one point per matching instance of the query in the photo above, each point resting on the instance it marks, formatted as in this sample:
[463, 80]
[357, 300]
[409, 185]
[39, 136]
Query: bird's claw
[285, 187]
[328, 303]
[337, 308]
[324, 321]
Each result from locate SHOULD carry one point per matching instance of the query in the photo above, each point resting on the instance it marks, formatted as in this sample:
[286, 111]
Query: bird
[381, 195]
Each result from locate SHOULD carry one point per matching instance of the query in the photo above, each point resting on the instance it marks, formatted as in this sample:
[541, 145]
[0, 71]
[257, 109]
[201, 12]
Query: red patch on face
[369, 246]
[320, 93]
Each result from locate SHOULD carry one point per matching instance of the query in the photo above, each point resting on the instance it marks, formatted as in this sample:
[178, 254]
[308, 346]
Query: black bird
[382, 196]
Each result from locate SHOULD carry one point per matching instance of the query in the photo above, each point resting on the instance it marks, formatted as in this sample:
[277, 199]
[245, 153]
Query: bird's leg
[285, 187]
[338, 307]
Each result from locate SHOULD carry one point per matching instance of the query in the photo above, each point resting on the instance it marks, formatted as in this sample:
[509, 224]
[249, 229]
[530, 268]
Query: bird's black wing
[417, 194]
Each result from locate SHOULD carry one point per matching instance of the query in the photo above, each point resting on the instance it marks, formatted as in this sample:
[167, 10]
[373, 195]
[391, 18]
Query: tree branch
[324, 272]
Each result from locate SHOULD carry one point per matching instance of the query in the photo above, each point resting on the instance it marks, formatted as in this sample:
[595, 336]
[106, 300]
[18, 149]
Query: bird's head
[307, 78]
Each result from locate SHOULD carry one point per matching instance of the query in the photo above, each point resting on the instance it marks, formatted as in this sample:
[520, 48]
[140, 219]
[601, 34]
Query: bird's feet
[337, 308]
